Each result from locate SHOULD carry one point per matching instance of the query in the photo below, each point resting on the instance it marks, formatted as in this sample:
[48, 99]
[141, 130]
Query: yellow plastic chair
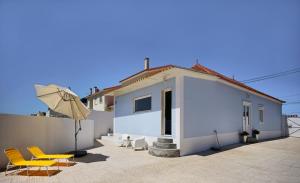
[17, 160]
[39, 154]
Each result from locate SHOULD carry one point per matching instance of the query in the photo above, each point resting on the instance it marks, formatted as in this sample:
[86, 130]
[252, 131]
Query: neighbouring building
[190, 105]
[40, 113]
[98, 100]
[51, 113]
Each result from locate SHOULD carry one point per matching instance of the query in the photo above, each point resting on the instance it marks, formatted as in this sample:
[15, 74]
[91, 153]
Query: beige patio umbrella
[64, 101]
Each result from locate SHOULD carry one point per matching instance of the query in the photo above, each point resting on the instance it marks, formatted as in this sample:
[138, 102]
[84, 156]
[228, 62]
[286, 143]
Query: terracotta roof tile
[104, 91]
[154, 69]
[144, 74]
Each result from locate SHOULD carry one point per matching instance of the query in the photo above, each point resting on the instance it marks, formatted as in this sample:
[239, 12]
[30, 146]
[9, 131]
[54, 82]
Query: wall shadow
[91, 158]
[271, 139]
[213, 151]
[295, 137]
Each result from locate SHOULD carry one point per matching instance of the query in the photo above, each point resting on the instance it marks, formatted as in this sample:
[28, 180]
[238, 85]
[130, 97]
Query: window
[142, 104]
[261, 114]
[100, 99]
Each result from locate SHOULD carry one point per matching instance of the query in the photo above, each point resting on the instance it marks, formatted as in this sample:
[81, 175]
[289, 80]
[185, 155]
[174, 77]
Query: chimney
[146, 63]
[95, 89]
[91, 91]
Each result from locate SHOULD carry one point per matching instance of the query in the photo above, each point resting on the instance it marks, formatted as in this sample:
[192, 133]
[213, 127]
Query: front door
[167, 112]
[246, 117]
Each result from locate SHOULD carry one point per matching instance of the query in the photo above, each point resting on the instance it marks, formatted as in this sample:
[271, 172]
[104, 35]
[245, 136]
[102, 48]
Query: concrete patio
[270, 161]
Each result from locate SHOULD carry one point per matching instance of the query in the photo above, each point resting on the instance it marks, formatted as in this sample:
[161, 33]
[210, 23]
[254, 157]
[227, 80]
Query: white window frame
[138, 98]
[261, 108]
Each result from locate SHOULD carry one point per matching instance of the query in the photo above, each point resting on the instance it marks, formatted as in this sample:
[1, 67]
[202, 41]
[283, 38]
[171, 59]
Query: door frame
[248, 104]
[163, 107]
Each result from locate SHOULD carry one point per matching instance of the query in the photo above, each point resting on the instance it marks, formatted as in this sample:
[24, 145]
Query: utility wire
[288, 103]
[293, 95]
[284, 73]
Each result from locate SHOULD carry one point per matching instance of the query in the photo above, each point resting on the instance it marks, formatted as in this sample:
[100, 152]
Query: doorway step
[164, 147]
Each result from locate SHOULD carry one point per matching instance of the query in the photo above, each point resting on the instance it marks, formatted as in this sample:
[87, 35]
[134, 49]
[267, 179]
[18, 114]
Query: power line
[292, 95]
[284, 73]
[288, 103]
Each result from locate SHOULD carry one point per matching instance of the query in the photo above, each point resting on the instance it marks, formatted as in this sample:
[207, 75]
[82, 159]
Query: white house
[189, 105]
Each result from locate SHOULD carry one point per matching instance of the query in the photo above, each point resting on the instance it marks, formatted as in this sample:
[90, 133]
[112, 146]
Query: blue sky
[82, 44]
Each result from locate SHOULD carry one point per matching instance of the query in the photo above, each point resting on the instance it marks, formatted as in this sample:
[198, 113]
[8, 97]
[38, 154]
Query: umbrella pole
[75, 135]
[76, 152]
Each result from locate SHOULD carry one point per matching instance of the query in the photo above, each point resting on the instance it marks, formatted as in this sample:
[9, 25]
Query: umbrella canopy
[62, 100]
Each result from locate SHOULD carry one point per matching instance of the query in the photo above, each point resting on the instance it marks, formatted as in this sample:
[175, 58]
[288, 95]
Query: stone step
[164, 152]
[251, 140]
[165, 140]
[159, 145]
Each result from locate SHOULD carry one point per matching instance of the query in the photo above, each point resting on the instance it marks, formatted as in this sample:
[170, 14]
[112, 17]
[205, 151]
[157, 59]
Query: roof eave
[145, 70]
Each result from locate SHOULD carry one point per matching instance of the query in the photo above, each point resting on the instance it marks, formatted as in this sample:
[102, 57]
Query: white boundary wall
[103, 121]
[53, 135]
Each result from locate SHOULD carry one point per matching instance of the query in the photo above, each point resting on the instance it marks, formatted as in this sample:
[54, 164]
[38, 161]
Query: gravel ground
[270, 161]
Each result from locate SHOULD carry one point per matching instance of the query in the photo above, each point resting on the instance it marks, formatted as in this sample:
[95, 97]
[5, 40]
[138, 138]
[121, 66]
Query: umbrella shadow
[91, 158]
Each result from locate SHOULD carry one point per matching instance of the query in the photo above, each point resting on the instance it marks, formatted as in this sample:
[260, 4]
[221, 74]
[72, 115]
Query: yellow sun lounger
[39, 154]
[17, 160]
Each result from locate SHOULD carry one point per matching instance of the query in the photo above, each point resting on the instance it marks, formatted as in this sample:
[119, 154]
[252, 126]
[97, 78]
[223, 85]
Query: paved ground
[271, 161]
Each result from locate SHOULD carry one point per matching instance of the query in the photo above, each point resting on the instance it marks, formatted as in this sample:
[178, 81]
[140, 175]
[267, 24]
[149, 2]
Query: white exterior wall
[103, 121]
[211, 105]
[53, 135]
[201, 105]
[145, 123]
